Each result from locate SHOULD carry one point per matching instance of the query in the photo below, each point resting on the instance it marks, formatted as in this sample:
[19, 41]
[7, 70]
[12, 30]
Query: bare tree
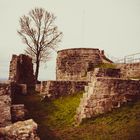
[40, 34]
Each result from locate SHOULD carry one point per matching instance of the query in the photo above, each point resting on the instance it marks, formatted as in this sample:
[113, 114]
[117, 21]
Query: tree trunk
[37, 70]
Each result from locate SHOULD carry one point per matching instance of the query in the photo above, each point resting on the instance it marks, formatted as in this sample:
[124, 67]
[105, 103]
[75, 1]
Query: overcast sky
[110, 25]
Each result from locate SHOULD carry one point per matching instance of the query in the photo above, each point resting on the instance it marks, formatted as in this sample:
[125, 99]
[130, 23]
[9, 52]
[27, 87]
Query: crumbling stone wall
[103, 94]
[131, 70]
[73, 64]
[55, 89]
[103, 72]
[21, 70]
[5, 104]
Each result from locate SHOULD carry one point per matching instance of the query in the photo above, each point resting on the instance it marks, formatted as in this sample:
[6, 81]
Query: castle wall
[55, 89]
[5, 104]
[104, 94]
[21, 70]
[129, 70]
[73, 64]
[103, 72]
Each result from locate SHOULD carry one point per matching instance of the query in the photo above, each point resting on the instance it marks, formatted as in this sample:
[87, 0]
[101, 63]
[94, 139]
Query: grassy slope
[121, 124]
[55, 120]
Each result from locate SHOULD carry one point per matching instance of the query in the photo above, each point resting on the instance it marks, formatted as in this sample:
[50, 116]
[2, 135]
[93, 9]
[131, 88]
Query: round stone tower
[73, 64]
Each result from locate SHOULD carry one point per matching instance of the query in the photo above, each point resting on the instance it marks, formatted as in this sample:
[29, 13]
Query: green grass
[62, 111]
[50, 115]
[56, 118]
[106, 65]
[121, 124]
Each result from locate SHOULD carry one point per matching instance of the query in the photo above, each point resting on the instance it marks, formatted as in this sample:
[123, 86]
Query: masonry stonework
[55, 89]
[105, 88]
[103, 94]
[131, 70]
[21, 70]
[71, 71]
[103, 72]
[73, 64]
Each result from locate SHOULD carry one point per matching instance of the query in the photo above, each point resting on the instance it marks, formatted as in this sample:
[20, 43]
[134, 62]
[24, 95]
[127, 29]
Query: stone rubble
[21, 130]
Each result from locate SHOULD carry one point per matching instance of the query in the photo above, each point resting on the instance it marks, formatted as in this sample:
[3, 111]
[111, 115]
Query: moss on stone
[106, 65]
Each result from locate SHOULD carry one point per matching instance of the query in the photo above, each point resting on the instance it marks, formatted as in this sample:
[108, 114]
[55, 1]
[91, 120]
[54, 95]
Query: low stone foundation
[5, 104]
[55, 89]
[103, 72]
[131, 70]
[104, 94]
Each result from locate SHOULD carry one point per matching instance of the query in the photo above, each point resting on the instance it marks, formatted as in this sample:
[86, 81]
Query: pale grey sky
[112, 25]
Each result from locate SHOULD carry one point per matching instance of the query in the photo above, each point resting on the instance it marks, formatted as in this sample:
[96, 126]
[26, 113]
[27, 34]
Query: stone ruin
[12, 117]
[108, 89]
[21, 73]
[56, 89]
[103, 94]
[9, 113]
[71, 71]
[77, 70]
[21, 70]
[104, 88]
[73, 64]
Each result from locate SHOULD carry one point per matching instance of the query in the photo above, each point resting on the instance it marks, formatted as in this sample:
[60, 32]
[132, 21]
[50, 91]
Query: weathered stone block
[22, 130]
